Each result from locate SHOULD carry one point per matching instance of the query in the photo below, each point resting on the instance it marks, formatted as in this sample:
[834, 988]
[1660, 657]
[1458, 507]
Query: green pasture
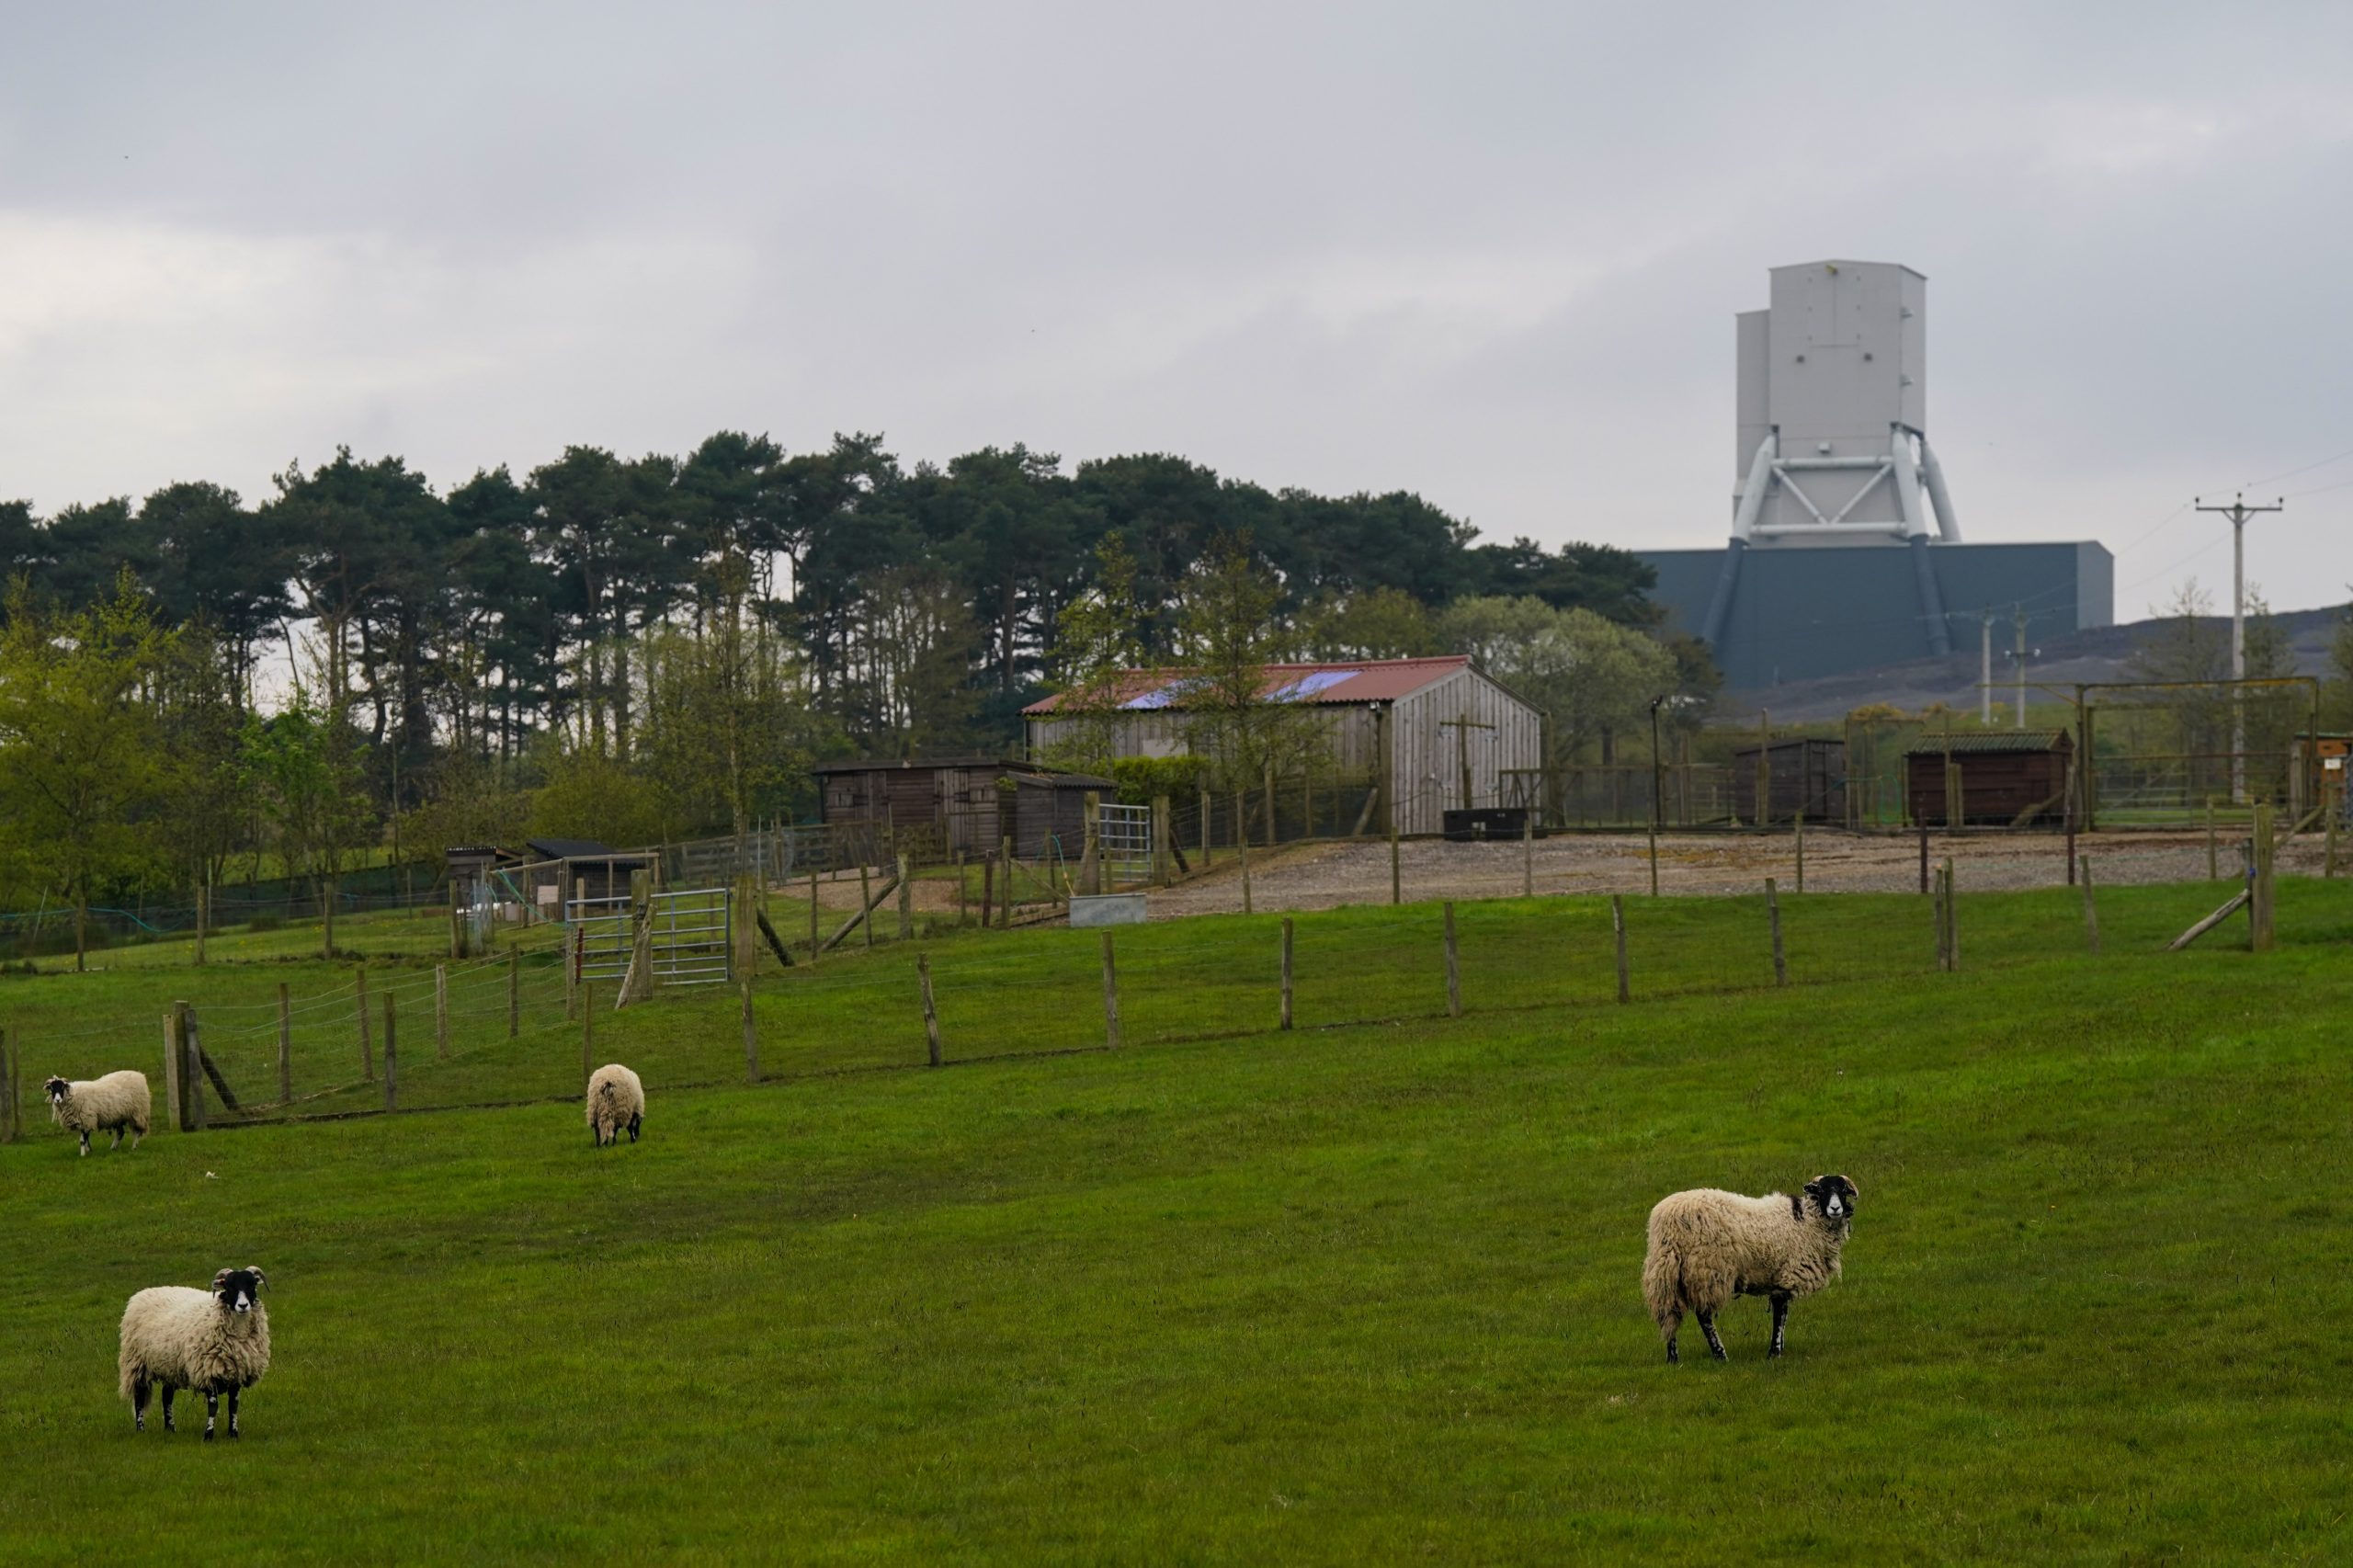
[1362, 1291]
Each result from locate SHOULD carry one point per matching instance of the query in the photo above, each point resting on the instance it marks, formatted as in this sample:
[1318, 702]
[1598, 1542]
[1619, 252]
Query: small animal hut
[2004, 777]
[939, 807]
[1800, 775]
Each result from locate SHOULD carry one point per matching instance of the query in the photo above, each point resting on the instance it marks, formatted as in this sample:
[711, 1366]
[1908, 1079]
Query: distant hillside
[2086, 656]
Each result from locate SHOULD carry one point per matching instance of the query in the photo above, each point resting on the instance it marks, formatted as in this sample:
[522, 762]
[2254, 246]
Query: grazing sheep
[215, 1341]
[1707, 1246]
[102, 1105]
[616, 1101]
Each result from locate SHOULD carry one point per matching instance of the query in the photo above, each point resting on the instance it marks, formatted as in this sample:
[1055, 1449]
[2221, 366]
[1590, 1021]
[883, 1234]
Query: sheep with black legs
[213, 1342]
[111, 1104]
[615, 1101]
[1707, 1246]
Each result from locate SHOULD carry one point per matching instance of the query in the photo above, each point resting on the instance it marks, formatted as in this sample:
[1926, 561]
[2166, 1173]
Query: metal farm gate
[690, 934]
[1123, 835]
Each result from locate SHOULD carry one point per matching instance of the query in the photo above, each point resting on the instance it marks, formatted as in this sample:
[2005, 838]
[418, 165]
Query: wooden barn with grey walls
[1423, 728]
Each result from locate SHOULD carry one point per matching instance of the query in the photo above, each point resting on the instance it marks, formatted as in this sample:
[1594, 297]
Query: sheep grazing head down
[237, 1290]
[1833, 1198]
[57, 1089]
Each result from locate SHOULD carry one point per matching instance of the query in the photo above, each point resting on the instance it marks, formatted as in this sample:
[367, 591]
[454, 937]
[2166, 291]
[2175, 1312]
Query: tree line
[634, 648]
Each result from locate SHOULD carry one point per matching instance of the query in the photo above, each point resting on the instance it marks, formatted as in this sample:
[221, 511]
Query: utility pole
[2238, 511]
[2017, 618]
[1985, 672]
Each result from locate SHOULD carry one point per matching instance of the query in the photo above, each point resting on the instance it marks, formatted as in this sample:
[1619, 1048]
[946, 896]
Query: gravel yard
[1325, 876]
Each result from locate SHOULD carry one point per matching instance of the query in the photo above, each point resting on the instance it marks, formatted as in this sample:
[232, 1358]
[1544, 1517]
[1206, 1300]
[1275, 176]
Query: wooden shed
[960, 804]
[1799, 773]
[2007, 778]
[1433, 735]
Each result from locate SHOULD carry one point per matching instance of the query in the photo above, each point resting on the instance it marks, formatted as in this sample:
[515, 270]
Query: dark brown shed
[2008, 778]
[1801, 774]
[960, 804]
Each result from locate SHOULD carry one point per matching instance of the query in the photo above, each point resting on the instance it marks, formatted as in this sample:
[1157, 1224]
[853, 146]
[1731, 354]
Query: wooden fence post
[1527, 855]
[1207, 839]
[514, 991]
[456, 924]
[750, 1038]
[1239, 802]
[285, 1046]
[2259, 929]
[392, 1057]
[962, 912]
[1617, 928]
[175, 1058]
[866, 902]
[906, 902]
[1005, 894]
[2091, 909]
[1773, 918]
[1800, 851]
[1286, 1012]
[988, 891]
[1271, 838]
[203, 917]
[1111, 997]
[442, 1010]
[192, 1066]
[1164, 840]
[2213, 869]
[814, 942]
[1650, 836]
[930, 1009]
[1453, 968]
[2328, 851]
[1090, 842]
[367, 1043]
[1953, 919]
[1396, 884]
[588, 1031]
[1924, 854]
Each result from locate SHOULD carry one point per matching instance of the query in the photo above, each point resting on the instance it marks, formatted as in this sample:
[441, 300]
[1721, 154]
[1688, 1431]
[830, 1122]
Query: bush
[1141, 778]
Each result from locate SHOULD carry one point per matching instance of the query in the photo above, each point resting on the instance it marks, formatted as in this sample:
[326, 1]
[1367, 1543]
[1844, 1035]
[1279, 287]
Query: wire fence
[513, 1031]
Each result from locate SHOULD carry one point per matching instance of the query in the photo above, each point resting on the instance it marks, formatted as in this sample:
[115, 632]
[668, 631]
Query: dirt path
[1329, 875]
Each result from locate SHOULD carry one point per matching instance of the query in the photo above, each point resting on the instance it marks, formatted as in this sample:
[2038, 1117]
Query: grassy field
[1362, 1291]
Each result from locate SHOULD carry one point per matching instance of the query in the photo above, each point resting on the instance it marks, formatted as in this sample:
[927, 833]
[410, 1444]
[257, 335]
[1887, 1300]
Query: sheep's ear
[220, 1281]
[1814, 1188]
[1851, 1185]
[260, 1280]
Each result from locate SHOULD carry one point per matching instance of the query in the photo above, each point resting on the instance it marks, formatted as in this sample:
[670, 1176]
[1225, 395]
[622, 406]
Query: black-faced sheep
[111, 1104]
[215, 1341]
[1707, 1246]
[616, 1101]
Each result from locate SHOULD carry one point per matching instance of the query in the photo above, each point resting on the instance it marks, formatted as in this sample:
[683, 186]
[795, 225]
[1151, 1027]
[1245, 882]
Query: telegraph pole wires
[2238, 512]
[1985, 671]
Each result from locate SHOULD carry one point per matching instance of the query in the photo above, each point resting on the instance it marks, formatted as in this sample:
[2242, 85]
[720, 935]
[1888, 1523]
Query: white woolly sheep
[1707, 1246]
[616, 1101]
[215, 1341]
[111, 1104]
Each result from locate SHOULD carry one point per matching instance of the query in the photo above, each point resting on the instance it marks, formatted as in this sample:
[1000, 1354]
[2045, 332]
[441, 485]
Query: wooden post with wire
[2213, 865]
[1773, 918]
[2091, 909]
[367, 1046]
[203, 917]
[191, 1064]
[442, 1010]
[1111, 997]
[285, 1047]
[2259, 906]
[906, 902]
[1617, 929]
[751, 1036]
[1527, 855]
[1286, 1007]
[392, 1057]
[1801, 849]
[514, 991]
[1242, 834]
[1396, 880]
[1453, 968]
[588, 1031]
[930, 1009]
[866, 902]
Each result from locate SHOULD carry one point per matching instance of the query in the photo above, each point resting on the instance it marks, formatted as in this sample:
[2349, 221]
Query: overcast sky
[1487, 253]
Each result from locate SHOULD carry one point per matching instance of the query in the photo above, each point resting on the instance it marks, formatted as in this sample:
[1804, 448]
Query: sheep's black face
[1833, 1196]
[57, 1089]
[237, 1290]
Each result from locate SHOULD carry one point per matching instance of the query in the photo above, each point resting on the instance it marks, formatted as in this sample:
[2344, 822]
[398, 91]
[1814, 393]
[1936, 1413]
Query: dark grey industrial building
[1798, 614]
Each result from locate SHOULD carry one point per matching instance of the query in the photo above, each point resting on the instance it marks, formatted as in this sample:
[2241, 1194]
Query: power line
[2291, 473]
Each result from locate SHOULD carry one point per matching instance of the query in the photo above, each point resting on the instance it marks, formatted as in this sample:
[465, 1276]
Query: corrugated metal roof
[1963, 743]
[1369, 680]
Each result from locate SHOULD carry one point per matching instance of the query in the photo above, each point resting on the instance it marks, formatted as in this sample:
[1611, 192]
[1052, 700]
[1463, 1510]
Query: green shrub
[1141, 778]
